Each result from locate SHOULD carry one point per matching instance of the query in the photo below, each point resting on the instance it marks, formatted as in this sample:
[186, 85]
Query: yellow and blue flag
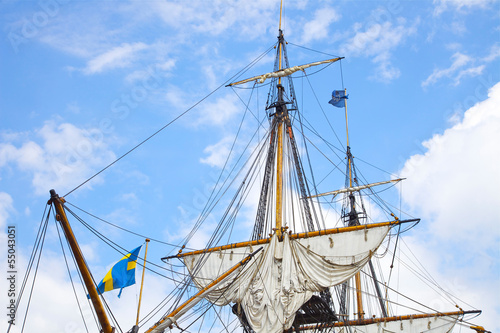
[121, 275]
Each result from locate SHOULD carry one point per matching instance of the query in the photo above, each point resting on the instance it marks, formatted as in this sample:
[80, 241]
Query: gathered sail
[284, 72]
[418, 323]
[285, 275]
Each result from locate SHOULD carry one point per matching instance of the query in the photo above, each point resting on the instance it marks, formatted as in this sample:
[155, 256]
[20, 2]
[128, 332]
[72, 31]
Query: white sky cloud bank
[454, 187]
[455, 181]
[62, 156]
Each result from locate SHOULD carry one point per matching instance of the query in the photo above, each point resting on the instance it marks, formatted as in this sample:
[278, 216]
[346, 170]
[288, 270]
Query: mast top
[281, 11]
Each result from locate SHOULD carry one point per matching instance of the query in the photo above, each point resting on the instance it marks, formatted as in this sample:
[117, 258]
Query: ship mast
[353, 220]
[280, 114]
[58, 203]
[353, 216]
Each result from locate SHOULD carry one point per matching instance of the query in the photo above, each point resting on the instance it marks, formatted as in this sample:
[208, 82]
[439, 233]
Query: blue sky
[82, 82]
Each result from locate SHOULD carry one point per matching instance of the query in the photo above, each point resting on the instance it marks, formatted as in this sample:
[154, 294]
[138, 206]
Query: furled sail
[284, 72]
[285, 274]
[355, 188]
[440, 322]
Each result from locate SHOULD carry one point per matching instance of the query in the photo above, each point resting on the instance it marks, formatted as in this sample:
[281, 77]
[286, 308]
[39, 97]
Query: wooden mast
[279, 114]
[80, 261]
[357, 277]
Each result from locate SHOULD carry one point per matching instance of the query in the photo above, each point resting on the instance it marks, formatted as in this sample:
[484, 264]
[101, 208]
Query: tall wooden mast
[353, 218]
[280, 114]
[80, 261]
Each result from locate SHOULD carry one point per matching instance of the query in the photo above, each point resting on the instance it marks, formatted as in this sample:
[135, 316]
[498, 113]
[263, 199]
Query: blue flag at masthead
[338, 98]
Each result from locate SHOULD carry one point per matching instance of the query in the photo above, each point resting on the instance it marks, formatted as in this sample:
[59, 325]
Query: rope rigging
[301, 212]
[35, 256]
[71, 279]
[242, 71]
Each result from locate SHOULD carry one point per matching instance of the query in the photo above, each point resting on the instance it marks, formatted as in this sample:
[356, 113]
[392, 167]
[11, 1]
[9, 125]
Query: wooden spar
[368, 321]
[284, 72]
[355, 188]
[170, 318]
[294, 236]
[80, 261]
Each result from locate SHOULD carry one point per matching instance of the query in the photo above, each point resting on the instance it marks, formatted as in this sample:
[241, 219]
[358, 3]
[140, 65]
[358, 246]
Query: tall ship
[312, 259]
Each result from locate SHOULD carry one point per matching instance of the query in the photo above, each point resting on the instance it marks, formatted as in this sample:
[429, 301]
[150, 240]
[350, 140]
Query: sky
[83, 82]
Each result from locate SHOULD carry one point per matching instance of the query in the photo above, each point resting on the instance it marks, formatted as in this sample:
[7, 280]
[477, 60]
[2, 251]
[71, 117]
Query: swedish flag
[121, 275]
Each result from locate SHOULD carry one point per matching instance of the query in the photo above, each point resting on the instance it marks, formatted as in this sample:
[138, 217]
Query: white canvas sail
[285, 274]
[284, 72]
[437, 323]
[417, 325]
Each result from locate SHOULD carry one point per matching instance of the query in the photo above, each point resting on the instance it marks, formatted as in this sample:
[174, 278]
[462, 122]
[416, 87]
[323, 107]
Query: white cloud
[62, 157]
[317, 28]
[217, 113]
[5, 208]
[218, 153]
[463, 66]
[249, 18]
[53, 307]
[471, 72]
[453, 186]
[494, 53]
[378, 41]
[460, 60]
[459, 170]
[117, 57]
[443, 5]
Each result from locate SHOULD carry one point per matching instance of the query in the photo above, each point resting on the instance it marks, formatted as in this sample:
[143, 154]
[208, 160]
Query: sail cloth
[284, 72]
[414, 325]
[282, 277]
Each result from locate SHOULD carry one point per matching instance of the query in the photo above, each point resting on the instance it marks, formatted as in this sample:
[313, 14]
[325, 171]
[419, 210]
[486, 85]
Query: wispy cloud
[248, 18]
[217, 153]
[462, 66]
[117, 57]
[317, 28]
[443, 5]
[219, 112]
[459, 61]
[378, 41]
[60, 155]
[494, 53]
[5, 208]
